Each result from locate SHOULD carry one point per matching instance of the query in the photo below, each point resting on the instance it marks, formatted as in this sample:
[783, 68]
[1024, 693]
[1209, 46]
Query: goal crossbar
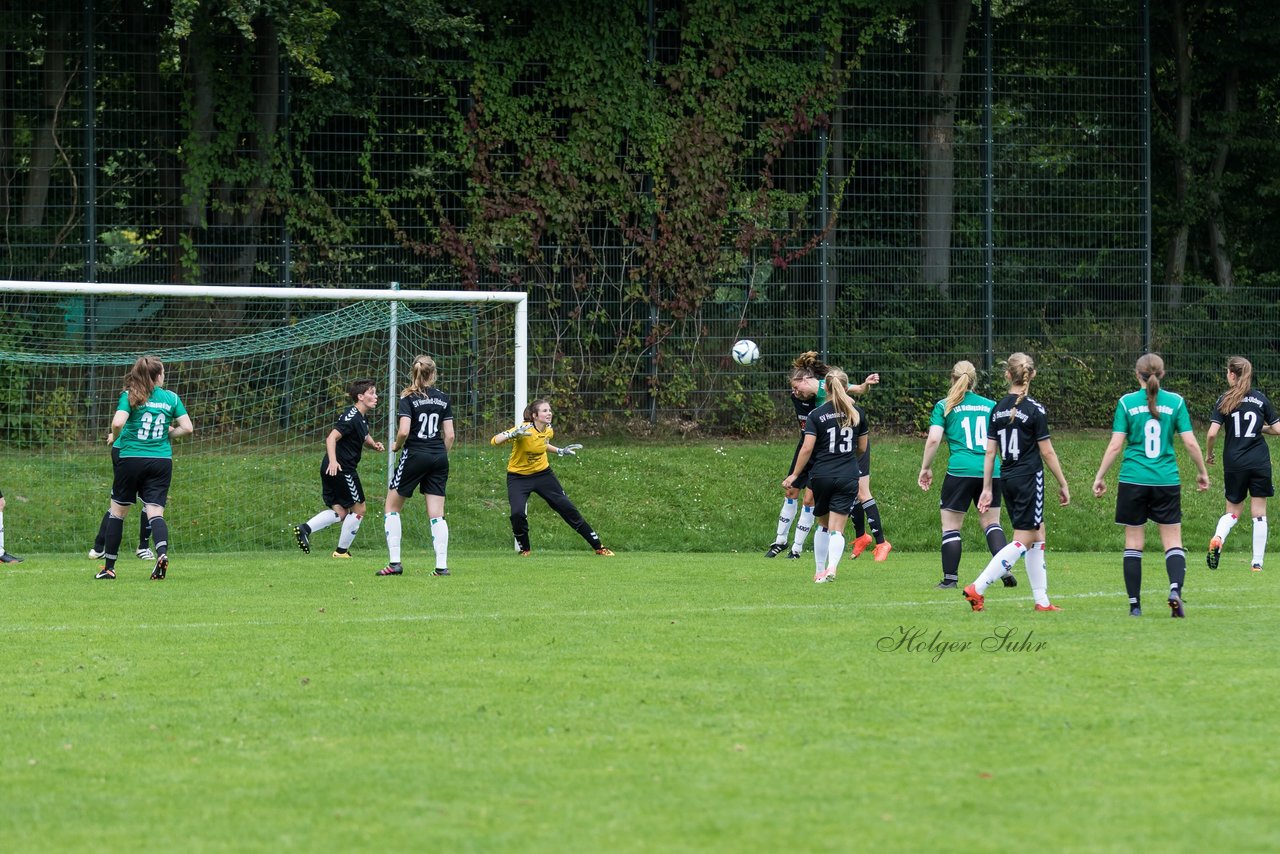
[519, 300]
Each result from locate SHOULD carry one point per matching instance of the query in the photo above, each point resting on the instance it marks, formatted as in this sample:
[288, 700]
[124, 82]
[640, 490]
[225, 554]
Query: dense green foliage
[664, 176]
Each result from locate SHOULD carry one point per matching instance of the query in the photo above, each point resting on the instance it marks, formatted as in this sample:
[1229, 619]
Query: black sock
[1175, 563]
[144, 530]
[873, 519]
[952, 545]
[995, 538]
[100, 541]
[859, 521]
[111, 541]
[1133, 575]
[160, 530]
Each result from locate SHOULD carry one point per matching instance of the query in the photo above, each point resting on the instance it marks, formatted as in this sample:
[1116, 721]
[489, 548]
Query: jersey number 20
[428, 425]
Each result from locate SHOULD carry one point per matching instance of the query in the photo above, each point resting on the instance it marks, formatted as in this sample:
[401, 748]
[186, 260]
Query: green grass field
[688, 698]
[648, 702]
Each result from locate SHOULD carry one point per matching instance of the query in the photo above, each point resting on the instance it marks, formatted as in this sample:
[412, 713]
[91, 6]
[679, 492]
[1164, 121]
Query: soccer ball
[745, 352]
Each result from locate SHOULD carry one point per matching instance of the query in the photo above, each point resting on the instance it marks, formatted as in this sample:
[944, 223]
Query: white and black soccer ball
[745, 352]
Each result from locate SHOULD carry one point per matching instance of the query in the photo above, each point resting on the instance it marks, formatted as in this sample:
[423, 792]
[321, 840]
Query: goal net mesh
[263, 380]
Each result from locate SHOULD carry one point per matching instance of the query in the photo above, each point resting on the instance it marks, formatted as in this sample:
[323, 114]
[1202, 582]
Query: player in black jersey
[808, 390]
[1246, 414]
[1019, 432]
[5, 557]
[340, 486]
[424, 429]
[830, 453]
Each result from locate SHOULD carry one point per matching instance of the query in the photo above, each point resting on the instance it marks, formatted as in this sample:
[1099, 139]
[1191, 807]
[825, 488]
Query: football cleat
[947, 584]
[1175, 605]
[1009, 580]
[976, 599]
[1135, 611]
[524, 553]
[94, 554]
[342, 555]
[391, 569]
[860, 544]
[106, 574]
[162, 567]
[1257, 567]
[603, 552]
[775, 549]
[145, 553]
[302, 534]
[822, 577]
[882, 551]
[1047, 608]
[5, 557]
[793, 555]
[1215, 553]
[441, 571]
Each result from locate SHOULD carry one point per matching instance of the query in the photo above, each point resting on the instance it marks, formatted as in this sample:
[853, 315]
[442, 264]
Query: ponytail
[424, 374]
[140, 380]
[838, 395]
[1242, 370]
[1022, 368]
[963, 378]
[1150, 369]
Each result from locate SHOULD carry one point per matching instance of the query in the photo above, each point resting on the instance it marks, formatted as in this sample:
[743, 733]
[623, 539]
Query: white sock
[350, 525]
[1000, 562]
[1037, 576]
[821, 543]
[785, 517]
[440, 541]
[1225, 523]
[391, 524]
[803, 527]
[1259, 538]
[322, 520]
[1, 533]
[835, 550]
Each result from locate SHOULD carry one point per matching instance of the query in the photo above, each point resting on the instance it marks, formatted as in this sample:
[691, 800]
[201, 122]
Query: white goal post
[264, 372]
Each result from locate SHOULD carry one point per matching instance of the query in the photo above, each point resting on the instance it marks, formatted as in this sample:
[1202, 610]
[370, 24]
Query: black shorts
[342, 489]
[1137, 504]
[833, 495]
[802, 479]
[960, 492]
[430, 471]
[146, 478]
[1244, 482]
[1024, 500]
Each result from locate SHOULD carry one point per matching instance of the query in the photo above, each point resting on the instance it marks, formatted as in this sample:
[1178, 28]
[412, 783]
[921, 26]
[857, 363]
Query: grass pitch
[649, 702]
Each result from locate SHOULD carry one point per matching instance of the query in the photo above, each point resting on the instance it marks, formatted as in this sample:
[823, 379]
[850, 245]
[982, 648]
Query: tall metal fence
[978, 184]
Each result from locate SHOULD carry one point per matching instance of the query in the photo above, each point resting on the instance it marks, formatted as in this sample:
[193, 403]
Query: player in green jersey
[5, 557]
[147, 417]
[961, 419]
[1150, 490]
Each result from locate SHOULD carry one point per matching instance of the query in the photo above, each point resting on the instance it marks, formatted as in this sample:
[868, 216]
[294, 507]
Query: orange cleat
[861, 543]
[1047, 608]
[882, 551]
[976, 599]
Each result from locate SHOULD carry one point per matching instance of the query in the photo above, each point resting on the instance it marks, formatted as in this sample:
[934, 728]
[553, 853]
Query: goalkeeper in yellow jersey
[529, 472]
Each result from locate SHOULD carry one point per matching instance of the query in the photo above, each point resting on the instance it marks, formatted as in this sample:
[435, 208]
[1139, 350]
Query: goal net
[263, 373]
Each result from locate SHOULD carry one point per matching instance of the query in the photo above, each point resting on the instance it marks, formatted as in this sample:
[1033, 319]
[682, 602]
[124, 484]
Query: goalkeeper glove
[523, 430]
[569, 450]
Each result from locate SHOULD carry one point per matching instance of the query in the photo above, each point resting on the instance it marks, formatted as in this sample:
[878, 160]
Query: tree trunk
[1175, 268]
[1222, 269]
[44, 143]
[267, 113]
[943, 60]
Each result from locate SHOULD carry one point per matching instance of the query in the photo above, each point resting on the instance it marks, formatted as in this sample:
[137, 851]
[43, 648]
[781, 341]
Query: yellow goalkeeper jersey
[529, 453]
